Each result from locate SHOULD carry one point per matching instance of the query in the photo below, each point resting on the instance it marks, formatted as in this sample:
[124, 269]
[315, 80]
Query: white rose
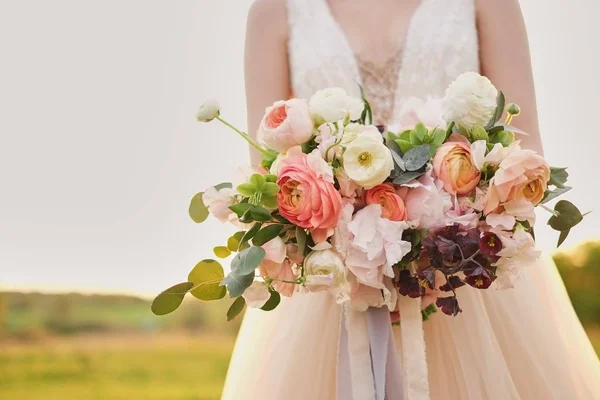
[324, 270]
[208, 111]
[333, 104]
[470, 100]
[367, 161]
[256, 295]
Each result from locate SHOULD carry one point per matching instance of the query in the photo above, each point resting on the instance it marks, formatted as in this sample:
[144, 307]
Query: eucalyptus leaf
[513, 129]
[224, 185]
[398, 161]
[170, 299]
[568, 216]
[237, 284]
[236, 308]
[246, 261]
[406, 177]
[551, 195]
[562, 237]
[233, 243]
[222, 251]
[198, 211]
[558, 177]
[417, 157]
[250, 234]
[266, 234]
[273, 301]
[206, 276]
[500, 104]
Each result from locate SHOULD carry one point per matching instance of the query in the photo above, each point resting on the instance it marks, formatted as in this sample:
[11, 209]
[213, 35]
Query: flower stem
[509, 119]
[245, 136]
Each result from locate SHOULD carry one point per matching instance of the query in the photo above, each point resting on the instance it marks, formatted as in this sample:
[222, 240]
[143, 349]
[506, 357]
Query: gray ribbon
[385, 361]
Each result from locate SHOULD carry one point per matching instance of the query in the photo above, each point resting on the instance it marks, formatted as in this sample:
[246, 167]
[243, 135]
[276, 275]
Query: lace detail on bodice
[380, 82]
[441, 43]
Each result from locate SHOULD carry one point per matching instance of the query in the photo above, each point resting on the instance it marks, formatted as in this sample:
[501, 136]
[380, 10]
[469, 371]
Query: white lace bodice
[440, 44]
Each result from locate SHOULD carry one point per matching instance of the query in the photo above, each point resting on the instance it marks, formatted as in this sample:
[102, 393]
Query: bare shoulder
[268, 17]
[504, 11]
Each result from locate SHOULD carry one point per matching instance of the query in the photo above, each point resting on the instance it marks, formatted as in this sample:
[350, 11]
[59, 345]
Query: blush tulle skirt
[523, 344]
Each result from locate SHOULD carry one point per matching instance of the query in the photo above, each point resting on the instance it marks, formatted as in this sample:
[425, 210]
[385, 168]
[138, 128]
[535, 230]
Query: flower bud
[513, 109]
[478, 133]
[208, 111]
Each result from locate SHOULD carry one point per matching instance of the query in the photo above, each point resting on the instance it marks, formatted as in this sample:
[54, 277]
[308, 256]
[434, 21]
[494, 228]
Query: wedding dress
[523, 343]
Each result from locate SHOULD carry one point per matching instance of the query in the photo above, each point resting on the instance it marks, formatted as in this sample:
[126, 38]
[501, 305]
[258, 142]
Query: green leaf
[439, 136]
[273, 301]
[562, 237]
[237, 284]
[198, 211]
[558, 177]
[398, 160]
[495, 130]
[568, 216]
[224, 185]
[270, 178]
[206, 276]
[266, 234]
[233, 243]
[221, 251]
[417, 135]
[505, 138]
[552, 194]
[269, 202]
[513, 129]
[240, 208]
[478, 133]
[450, 128]
[246, 261]
[250, 234]
[236, 308]
[260, 214]
[301, 239]
[270, 189]
[500, 104]
[257, 180]
[404, 145]
[406, 177]
[416, 157]
[170, 299]
[246, 189]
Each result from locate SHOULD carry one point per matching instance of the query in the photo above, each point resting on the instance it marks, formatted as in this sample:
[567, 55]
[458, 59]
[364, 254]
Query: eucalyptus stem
[551, 211]
[245, 136]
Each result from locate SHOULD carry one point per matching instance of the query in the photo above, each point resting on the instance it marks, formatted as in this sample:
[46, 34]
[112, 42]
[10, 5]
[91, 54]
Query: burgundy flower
[448, 305]
[454, 282]
[408, 285]
[480, 278]
[490, 244]
[468, 242]
[427, 277]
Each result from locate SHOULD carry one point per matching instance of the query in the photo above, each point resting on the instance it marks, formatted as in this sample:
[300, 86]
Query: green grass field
[160, 367]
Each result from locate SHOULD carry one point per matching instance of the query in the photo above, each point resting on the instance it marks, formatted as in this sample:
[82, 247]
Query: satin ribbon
[369, 367]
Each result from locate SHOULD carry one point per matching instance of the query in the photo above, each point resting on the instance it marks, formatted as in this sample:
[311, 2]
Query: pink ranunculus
[391, 203]
[286, 124]
[307, 196]
[454, 166]
[523, 174]
[218, 202]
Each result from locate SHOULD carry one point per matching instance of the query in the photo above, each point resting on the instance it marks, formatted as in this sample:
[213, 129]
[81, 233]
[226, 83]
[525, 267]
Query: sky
[100, 153]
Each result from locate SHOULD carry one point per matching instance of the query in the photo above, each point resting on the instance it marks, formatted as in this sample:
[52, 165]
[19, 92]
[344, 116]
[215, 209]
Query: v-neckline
[353, 56]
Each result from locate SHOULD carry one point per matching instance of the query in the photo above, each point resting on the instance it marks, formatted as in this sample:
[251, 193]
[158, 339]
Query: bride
[524, 343]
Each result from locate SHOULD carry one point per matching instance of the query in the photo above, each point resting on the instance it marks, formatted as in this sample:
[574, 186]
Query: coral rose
[392, 205]
[307, 196]
[286, 124]
[453, 165]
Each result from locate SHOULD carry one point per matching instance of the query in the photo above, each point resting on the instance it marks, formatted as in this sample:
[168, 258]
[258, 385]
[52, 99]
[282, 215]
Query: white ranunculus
[256, 295]
[367, 161]
[208, 111]
[470, 100]
[334, 104]
[354, 130]
[324, 270]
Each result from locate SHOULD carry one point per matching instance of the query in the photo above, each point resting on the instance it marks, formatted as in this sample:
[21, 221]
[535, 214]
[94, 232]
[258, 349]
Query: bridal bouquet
[446, 199]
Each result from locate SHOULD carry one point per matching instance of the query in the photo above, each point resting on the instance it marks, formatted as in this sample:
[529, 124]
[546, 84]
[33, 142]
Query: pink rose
[392, 205]
[454, 166]
[307, 196]
[286, 124]
[218, 202]
[426, 202]
[523, 174]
